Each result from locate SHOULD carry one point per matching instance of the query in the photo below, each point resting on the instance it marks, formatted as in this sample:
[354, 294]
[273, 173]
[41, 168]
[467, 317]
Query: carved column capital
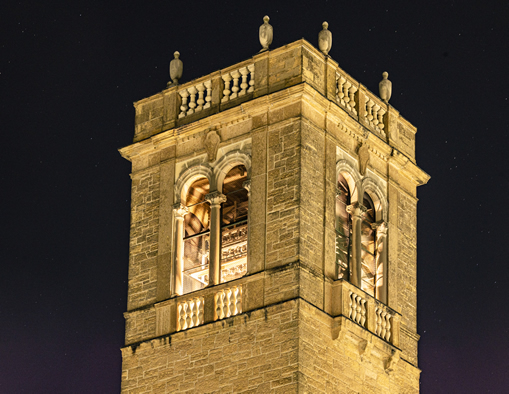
[215, 198]
[380, 227]
[180, 210]
[357, 210]
[247, 185]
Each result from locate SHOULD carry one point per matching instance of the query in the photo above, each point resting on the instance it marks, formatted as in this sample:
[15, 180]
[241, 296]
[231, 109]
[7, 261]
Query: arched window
[234, 225]
[368, 255]
[196, 237]
[343, 228]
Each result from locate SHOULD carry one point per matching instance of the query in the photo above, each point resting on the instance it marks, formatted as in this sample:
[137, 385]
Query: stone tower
[273, 234]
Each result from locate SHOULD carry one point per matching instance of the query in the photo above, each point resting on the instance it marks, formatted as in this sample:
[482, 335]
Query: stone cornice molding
[408, 168]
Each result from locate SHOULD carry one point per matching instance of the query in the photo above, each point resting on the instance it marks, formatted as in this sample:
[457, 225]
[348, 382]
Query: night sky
[69, 73]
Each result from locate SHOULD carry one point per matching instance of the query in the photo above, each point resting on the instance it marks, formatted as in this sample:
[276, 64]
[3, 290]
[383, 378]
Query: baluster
[235, 87]
[226, 92]
[251, 69]
[351, 92]
[376, 107]
[187, 316]
[351, 313]
[183, 107]
[223, 305]
[346, 98]
[208, 97]
[388, 328]
[340, 92]
[201, 310]
[384, 325]
[369, 110]
[243, 86]
[378, 328]
[180, 319]
[200, 101]
[381, 125]
[217, 300]
[192, 102]
[231, 303]
[363, 312]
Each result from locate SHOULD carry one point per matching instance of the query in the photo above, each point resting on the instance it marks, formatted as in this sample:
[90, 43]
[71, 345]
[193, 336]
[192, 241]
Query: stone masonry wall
[337, 366]
[144, 238]
[251, 353]
[283, 193]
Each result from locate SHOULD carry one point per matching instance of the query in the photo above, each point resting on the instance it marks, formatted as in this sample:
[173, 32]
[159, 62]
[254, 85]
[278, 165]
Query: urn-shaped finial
[325, 39]
[385, 87]
[176, 68]
[265, 34]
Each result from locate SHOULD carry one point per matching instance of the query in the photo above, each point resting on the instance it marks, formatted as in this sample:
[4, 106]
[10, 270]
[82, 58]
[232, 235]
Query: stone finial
[325, 39]
[176, 68]
[265, 34]
[385, 87]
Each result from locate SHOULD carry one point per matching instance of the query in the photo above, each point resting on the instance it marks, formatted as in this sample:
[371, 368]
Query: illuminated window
[234, 225]
[368, 238]
[196, 237]
[343, 228]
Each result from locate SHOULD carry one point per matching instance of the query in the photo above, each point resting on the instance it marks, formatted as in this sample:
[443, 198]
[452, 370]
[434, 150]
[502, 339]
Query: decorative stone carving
[363, 154]
[265, 34]
[176, 68]
[391, 361]
[212, 141]
[215, 199]
[385, 88]
[325, 39]
[247, 185]
[180, 210]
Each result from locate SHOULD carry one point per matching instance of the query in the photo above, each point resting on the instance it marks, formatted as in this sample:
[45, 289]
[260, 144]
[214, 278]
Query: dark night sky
[69, 72]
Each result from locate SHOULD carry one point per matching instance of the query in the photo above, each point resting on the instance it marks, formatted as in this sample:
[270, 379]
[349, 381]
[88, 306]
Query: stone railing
[364, 310]
[195, 98]
[266, 73]
[228, 302]
[190, 313]
[383, 322]
[244, 76]
[203, 306]
[346, 88]
[373, 113]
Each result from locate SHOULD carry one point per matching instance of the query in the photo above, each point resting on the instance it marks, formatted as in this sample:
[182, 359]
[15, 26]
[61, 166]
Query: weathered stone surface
[294, 330]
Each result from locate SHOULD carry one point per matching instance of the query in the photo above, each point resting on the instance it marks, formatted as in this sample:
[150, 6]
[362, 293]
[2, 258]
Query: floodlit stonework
[319, 294]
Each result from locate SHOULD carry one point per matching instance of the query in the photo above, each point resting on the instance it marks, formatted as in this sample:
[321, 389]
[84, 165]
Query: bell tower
[273, 232]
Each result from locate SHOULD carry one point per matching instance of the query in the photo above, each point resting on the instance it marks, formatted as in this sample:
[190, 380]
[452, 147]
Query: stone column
[357, 211]
[247, 185]
[180, 211]
[381, 260]
[215, 199]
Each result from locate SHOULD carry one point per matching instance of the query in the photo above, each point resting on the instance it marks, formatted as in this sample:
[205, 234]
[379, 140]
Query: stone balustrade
[383, 322]
[228, 302]
[238, 82]
[364, 310]
[195, 98]
[346, 88]
[277, 69]
[373, 114]
[190, 313]
[357, 308]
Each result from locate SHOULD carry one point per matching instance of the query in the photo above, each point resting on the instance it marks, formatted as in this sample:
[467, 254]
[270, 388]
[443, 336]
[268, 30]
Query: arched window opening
[234, 225]
[196, 237]
[343, 228]
[368, 254]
